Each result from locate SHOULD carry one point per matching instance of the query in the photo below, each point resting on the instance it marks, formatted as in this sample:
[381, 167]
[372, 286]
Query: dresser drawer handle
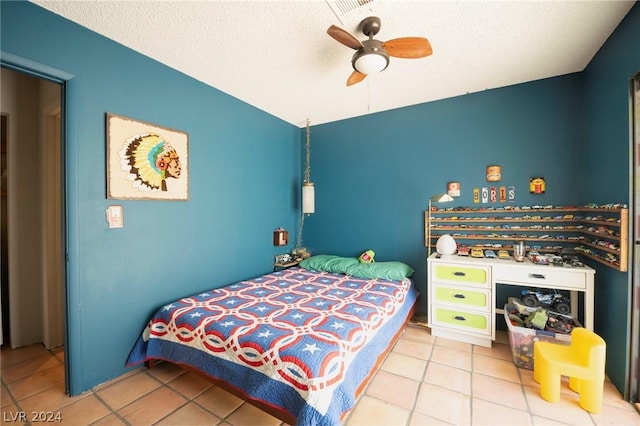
[459, 296]
[459, 318]
[539, 276]
[459, 274]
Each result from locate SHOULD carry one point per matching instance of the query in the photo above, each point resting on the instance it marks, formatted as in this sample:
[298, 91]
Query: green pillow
[328, 263]
[316, 262]
[394, 271]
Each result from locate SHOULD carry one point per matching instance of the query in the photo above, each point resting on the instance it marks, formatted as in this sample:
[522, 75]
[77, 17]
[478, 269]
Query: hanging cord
[307, 178]
[368, 95]
[307, 146]
[299, 238]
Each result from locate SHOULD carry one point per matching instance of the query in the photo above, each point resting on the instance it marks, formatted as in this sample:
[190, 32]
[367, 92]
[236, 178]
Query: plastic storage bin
[521, 340]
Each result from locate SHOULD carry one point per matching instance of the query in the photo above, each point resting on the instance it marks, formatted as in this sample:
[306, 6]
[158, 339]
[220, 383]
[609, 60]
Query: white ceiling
[277, 56]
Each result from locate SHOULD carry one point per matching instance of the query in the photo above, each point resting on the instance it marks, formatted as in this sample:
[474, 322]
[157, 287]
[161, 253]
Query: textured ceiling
[277, 56]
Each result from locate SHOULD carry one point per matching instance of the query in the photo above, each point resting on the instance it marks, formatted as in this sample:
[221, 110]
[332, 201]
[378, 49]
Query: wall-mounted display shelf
[597, 232]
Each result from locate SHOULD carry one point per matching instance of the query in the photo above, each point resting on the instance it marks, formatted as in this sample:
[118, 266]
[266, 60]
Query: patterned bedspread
[298, 340]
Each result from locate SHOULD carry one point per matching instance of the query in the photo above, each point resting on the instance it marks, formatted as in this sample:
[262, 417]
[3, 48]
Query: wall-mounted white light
[308, 198]
[308, 190]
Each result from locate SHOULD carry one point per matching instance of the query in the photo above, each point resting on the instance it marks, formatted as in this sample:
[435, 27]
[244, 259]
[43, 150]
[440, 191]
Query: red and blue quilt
[298, 340]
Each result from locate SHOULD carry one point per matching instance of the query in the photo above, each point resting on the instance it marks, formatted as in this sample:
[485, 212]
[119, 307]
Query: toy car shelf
[598, 232]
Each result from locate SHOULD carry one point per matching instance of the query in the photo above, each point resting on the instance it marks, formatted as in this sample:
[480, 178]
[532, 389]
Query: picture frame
[146, 161]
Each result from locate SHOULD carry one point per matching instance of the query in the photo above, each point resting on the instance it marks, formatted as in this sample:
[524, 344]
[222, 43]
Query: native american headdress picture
[146, 165]
[150, 161]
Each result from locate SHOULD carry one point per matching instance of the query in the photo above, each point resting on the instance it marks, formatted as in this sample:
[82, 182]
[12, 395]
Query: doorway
[33, 236]
[634, 382]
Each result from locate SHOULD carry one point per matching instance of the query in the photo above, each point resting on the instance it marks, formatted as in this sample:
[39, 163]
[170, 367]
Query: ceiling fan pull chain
[369, 95]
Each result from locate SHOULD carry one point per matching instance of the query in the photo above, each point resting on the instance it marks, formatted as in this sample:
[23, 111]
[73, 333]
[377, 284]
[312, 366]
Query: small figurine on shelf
[300, 253]
[282, 259]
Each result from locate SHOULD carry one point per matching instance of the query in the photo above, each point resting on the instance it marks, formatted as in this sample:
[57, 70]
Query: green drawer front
[469, 298]
[463, 319]
[466, 275]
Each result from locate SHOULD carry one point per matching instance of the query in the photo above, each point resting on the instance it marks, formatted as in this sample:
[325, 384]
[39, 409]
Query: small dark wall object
[280, 237]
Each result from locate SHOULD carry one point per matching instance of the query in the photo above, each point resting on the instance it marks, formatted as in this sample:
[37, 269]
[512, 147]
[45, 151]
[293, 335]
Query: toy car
[550, 297]
[559, 323]
[503, 254]
[557, 260]
[538, 259]
[463, 251]
[490, 254]
[477, 252]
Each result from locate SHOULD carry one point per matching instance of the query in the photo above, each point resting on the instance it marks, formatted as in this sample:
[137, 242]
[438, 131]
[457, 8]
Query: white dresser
[462, 292]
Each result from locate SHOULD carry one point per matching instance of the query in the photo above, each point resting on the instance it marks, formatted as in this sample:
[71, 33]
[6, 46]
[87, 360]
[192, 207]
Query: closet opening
[32, 195]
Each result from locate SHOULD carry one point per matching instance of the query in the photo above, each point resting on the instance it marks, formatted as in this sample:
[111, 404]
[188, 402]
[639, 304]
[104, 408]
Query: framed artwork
[146, 161]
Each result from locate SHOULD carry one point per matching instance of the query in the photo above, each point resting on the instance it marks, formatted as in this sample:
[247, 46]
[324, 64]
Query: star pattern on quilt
[311, 348]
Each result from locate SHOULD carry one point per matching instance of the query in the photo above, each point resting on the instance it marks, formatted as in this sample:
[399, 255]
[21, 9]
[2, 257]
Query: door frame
[633, 382]
[53, 247]
[35, 69]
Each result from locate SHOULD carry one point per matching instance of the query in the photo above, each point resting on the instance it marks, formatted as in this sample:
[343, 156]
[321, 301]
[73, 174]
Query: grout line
[207, 409]
[147, 371]
[524, 394]
[186, 402]
[111, 410]
[13, 398]
[472, 358]
[116, 412]
[162, 385]
[193, 400]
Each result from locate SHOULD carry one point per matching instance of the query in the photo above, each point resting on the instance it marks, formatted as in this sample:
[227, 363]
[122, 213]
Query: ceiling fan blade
[355, 77]
[344, 37]
[408, 47]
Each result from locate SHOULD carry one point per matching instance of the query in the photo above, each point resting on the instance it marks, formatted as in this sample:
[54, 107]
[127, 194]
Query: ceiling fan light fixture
[371, 58]
[371, 63]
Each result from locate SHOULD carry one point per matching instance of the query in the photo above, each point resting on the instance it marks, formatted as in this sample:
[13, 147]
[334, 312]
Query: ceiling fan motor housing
[370, 26]
[371, 58]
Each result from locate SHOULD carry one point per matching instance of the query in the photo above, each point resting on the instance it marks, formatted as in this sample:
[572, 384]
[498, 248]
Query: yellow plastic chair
[582, 361]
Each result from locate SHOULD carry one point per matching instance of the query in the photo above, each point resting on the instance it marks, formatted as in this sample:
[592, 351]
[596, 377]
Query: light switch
[114, 217]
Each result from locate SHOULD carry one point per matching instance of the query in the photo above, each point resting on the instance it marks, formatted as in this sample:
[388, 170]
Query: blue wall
[375, 174]
[373, 177]
[244, 181]
[606, 171]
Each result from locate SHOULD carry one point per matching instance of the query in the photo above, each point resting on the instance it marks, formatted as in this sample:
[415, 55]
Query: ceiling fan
[372, 56]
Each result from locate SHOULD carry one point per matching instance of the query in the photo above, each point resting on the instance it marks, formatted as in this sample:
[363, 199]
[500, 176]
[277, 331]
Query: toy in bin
[552, 298]
[543, 326]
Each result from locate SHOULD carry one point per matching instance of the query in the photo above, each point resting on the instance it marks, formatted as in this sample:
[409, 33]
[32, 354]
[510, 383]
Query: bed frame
[283, 415]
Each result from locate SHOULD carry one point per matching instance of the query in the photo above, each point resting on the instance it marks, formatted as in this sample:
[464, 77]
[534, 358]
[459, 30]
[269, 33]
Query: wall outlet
[114, 217]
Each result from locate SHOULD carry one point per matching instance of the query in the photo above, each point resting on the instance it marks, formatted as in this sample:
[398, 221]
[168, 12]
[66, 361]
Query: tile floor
[423, 381]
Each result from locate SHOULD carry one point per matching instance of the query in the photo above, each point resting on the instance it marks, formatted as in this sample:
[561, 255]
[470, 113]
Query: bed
[300, 343]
